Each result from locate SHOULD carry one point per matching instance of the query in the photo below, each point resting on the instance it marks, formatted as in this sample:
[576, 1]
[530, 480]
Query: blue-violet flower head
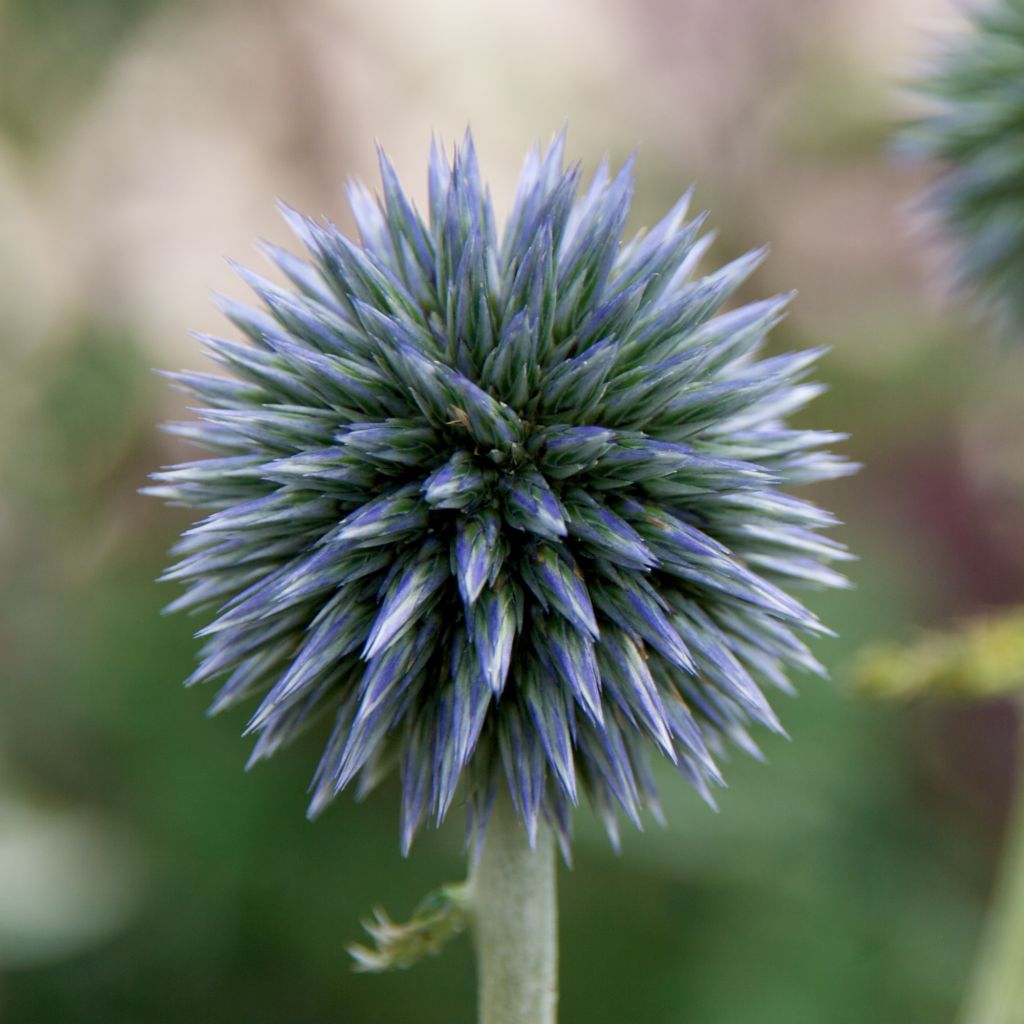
[504, 507]
[975, 134]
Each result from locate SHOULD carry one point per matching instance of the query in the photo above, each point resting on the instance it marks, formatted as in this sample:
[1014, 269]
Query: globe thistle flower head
[504, 508]
[976, 135]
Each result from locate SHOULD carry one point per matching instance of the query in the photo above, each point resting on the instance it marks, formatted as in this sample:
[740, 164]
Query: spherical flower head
[976, 134]
[504, 508]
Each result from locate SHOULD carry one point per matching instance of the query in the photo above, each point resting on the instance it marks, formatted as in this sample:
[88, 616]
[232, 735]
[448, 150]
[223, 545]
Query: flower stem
[996, 991]
[512, 891]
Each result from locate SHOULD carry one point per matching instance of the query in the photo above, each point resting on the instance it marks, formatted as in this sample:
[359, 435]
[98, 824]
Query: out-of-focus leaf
[436, 921]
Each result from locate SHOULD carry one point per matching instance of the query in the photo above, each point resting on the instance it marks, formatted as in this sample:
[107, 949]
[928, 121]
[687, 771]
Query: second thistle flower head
[504, 507]
[976, 135]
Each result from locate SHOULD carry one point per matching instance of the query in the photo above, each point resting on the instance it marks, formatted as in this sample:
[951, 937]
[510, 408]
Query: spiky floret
[505, 507]
[976, 133]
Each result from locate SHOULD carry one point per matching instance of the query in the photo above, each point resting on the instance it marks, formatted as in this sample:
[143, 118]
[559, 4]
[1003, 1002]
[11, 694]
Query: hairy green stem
[512, 893]
[996, 991]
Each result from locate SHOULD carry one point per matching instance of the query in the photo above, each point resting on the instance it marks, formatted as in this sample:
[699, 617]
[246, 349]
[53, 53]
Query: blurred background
[143, 875]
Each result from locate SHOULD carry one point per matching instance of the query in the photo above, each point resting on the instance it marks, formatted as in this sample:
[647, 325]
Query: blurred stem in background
[983, 658]
[995, 994]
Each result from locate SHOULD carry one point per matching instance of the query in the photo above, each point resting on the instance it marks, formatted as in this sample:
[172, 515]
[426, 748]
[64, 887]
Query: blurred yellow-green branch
[983, 657]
